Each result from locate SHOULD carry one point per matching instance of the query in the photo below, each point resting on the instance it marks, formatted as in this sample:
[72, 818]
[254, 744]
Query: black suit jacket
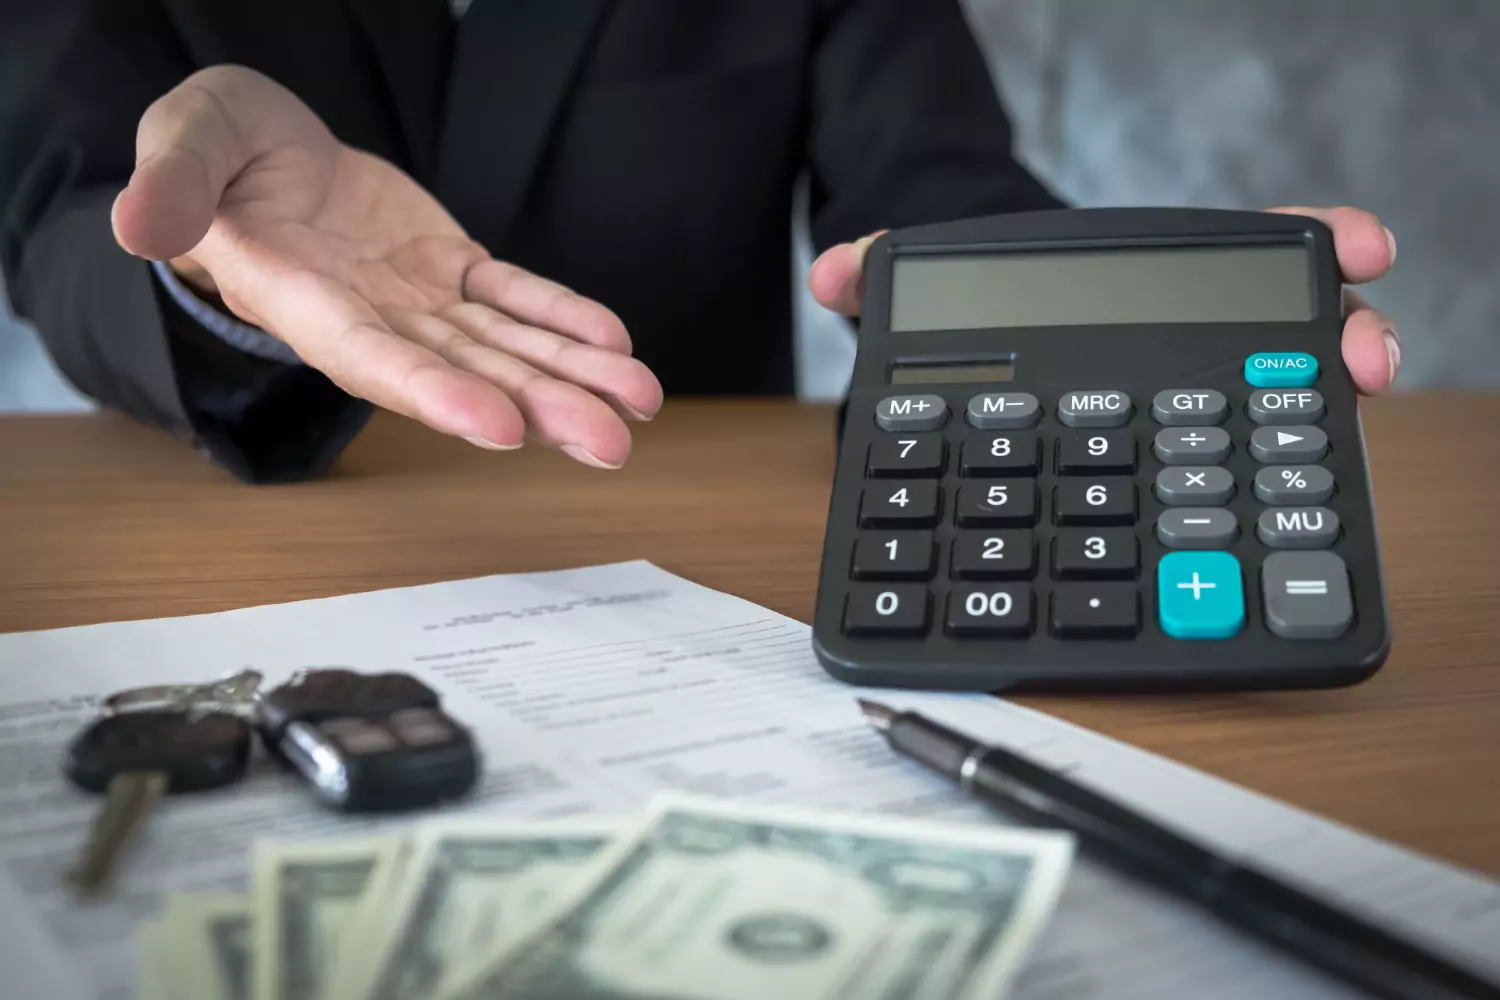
[643, 152]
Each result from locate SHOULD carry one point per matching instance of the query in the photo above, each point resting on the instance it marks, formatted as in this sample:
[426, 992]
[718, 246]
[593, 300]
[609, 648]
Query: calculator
[1102, 449]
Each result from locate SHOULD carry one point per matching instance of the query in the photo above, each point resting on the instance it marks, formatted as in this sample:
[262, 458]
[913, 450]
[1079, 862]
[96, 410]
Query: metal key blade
[127, 804]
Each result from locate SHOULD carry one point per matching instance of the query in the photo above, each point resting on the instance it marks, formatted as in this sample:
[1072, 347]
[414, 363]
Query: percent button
[1293, 485]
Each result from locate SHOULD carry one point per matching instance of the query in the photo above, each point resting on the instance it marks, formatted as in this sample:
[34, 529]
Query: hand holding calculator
[1110, 449]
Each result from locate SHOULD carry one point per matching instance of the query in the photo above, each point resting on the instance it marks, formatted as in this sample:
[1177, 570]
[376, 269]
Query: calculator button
[908, 503]
[1010, 502]
[1285, 406]
[1095, 610]
[992, 610]
[1106, 500]
[1298, 528]
[1197, 528]
[1189, 407]
[1199, 595]
[1281, 369]
[995, 410]
[1106, 408]
[1288, 445]
[1191, 445]
[1082, 452]
[906, 455]
[923, 412]
[1306, 595]
[993, 555]
[891, 609]
[1197, 486]
[1095, 552]
[1293, 485]
[893, 555]
[1014, 454]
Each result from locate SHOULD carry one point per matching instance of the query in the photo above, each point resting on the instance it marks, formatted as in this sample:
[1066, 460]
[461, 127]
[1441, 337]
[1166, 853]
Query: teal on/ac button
[1199, 595]
[1279, 369]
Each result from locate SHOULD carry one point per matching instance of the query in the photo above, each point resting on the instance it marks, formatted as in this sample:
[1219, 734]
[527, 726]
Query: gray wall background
[1393, 105]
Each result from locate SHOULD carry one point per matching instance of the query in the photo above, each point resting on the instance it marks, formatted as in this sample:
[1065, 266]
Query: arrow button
[1288, 446]
[1283, 438]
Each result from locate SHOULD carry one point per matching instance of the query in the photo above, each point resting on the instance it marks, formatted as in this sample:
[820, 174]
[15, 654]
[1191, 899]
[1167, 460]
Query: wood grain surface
[103, 520]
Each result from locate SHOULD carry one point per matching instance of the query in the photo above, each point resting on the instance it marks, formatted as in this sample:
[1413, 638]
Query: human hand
[1365, 248]
[351, 263]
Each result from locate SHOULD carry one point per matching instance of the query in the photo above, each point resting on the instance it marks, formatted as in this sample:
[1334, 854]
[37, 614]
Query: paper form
[589, 690]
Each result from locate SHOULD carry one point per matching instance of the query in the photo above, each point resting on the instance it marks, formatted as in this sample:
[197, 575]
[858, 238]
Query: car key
[133, 759]
[330, 692]
[233, 692]
[408, 759]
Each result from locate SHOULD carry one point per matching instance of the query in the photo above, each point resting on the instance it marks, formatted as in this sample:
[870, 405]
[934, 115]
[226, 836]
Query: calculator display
[1200, 284]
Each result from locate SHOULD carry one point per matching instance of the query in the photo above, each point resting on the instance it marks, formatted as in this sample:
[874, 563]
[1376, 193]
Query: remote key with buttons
[1109, 449]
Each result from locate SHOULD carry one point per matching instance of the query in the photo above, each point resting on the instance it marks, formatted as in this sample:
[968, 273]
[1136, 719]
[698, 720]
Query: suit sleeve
[905, 124]
[68, 148]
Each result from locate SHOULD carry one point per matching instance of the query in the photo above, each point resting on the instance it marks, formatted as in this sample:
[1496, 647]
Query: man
[509, 220]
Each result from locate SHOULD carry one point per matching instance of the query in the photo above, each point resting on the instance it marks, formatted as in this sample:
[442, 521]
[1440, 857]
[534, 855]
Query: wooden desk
[103, 520]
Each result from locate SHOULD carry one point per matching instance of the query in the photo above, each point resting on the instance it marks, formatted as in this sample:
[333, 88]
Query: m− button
[922, 412]
[1102, 408]
[1189, 407]
[997, 410]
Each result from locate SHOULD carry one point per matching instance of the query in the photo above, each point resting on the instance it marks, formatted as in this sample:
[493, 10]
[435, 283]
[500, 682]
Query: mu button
[1199, 595]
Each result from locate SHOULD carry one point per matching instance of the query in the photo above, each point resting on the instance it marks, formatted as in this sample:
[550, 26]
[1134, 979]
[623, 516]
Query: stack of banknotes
[691, 898]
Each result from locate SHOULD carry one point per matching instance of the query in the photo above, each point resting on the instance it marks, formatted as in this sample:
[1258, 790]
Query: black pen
[1336, 941]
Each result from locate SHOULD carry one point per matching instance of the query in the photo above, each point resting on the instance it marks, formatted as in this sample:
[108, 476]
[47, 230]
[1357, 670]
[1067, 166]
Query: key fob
[409, 759]
[336, 692]
[195, 753]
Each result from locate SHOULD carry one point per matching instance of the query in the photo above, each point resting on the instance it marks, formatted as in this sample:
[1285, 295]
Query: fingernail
[492, 446]
[631, 411]
[1390, 239]
[582, 454]
[862, 245]
[1392, 352]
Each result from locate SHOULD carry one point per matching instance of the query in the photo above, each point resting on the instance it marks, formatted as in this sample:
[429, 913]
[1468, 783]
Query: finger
[1371, 346]
[622, 381]
[1366, 249]
[536, 301]
[341, 335]
[835, 278]
[557, 414]
[190, 145]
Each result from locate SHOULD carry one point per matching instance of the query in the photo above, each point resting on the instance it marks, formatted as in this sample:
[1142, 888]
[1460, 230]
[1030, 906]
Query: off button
[1281, 369]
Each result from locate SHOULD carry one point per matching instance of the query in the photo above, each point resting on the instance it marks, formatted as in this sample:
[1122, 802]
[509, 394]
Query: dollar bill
[725, 901]
[211, 942]
[304, 897]
[469, 887]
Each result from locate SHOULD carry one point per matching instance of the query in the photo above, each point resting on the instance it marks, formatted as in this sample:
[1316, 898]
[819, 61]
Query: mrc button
[1281, 369]
[1094, 408]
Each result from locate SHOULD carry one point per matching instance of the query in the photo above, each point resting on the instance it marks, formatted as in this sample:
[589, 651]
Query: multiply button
[1186, 485]
[1185, 407]
[925, 412]
[1293, 485]
[1199, 595]
[1107, 408]
[1285, 406]
[1290, 445]
[1191, 446]
[1298, 528]
[993, 410]
[1306, 595]
[1281, 369]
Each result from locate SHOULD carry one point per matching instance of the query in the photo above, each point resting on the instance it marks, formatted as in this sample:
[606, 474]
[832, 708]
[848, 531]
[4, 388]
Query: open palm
[365, 275]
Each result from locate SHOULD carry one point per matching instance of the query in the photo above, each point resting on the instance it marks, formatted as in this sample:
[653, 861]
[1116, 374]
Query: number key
[895, 609]
[893, 555]
[1095, 552]
[1109, 500]
[993, 555]
[899, 502]
[906, 455]
[1003, 610]
[1096, 452]
[1012, 502]
[1017, 453]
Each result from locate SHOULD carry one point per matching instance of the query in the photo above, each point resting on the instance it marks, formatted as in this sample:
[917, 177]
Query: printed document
[589, 690]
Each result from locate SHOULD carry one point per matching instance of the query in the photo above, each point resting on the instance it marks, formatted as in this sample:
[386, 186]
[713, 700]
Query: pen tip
[878, 715]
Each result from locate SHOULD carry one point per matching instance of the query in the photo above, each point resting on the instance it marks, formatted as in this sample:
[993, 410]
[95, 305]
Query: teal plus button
[1199, 596]
[1281, 369]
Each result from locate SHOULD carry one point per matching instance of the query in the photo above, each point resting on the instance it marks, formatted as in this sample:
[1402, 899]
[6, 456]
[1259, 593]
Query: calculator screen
[1200, 284]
